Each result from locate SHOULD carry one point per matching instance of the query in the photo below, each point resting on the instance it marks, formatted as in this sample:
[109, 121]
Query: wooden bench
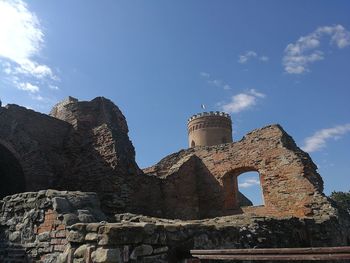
[310, 253]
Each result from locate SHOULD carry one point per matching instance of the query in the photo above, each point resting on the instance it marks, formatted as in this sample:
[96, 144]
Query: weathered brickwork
[290, 183]
[84, 146]
[35, 140]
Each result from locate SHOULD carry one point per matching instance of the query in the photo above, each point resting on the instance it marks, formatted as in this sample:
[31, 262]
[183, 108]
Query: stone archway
[11, 173]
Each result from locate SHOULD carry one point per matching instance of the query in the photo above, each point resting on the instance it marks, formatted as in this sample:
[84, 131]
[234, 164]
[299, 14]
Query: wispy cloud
[28, 87]
[21, 40]
[215, 82]
[53, 87]
[249, 182]
[248, 55]
[318, 140]
[299, 55]
[242, 101]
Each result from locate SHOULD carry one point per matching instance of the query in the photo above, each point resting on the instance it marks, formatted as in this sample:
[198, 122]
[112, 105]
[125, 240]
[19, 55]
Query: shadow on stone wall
[11, 174]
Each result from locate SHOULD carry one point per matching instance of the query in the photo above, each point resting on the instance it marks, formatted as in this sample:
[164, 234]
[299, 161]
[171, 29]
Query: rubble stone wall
[33, 225]
[69, 227]
[143, 239]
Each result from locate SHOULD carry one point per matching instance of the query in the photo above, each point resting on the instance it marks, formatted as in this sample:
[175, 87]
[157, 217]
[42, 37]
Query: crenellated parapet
[209, 128]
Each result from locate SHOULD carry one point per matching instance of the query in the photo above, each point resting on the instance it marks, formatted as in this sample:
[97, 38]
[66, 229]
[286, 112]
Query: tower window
[193, 144]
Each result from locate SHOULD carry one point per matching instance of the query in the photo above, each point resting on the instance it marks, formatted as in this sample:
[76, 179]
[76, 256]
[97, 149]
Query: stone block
[81, 251]
[85, 216]
[91, 237]
[160, 250]
[61, 205]
[143, 250]
[70, 219]
[102, 255]
[76, 237]
[44, 236]
[15, 236]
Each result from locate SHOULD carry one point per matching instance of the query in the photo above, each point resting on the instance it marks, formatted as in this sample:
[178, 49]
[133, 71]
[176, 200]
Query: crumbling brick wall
[290, 183]
[88, 149]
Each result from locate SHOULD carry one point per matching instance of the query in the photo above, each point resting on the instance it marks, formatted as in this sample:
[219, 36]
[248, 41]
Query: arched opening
[242, 188]
[249, 185]
[193, 144]
[11, 174]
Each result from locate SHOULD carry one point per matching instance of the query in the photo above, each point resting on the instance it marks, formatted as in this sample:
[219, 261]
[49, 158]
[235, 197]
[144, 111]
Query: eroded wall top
[290, 183]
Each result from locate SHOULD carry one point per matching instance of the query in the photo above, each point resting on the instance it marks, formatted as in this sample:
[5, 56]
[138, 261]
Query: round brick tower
[209, 128]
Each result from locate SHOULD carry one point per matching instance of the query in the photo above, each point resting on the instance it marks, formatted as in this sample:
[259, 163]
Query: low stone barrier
[69, 227]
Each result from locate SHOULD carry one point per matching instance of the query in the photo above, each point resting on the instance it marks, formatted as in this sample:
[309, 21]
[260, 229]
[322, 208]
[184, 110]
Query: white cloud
[318, 140]
[242, 101]
[20, 33]
[226, 87]
[21, 40]
[249, 182]
[264, 58]
[215, 82]
[205, 74]
[257, 94]
[299, 55]
[53, 87]
[34, 69]
[38, 97]
[248, 55]
[28, 87]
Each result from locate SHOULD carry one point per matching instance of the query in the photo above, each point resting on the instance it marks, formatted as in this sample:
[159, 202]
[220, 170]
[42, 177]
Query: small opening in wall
[249, 185]
[193, 144]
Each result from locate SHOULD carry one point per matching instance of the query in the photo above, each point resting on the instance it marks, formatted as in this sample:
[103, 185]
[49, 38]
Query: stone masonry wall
[143, 239]
[69, 227]
[33, 225]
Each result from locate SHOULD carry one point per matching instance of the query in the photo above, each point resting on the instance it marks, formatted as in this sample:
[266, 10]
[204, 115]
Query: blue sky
[263, 62]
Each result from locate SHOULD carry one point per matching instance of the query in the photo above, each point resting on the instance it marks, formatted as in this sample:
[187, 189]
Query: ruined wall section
[290, 183]
[36, 140]
[66, 227]
[136, 238]
[34, 225]
[102, 158]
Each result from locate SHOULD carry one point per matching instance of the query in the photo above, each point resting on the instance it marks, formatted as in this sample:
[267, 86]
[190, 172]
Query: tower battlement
[209, 128]
[210, 113]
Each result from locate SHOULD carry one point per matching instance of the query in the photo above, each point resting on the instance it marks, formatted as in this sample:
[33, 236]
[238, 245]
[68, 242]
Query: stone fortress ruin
[72, 191]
